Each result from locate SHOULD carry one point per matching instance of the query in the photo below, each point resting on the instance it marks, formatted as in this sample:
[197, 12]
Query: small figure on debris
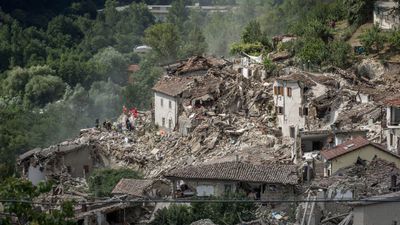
[128, 124]
[97, 123]
[107, 125]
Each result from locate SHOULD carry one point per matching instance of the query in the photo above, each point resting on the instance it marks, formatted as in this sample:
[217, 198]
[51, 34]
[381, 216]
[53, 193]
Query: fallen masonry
[208, 112]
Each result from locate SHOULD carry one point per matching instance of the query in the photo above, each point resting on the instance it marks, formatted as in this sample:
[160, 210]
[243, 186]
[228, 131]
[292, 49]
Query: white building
[385, 15]
[393, 125]
[290, 104]
[167, 93]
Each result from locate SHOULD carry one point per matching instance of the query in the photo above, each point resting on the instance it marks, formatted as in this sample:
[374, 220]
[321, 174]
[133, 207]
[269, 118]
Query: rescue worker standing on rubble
[128, 124]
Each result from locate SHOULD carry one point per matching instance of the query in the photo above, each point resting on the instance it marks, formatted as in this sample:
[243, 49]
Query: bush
[312, 50]
[373, 40]
[339, 53]
[394, 39]
[174, 215]
[102, 182]
[248, 48]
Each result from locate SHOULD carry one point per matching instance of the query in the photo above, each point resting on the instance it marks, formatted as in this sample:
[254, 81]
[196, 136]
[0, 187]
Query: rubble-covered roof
[239, 171]
[394, 196]
[133, 187]
[350, 146]
[393, 102]
[173, 85]
[298, 77]
[46, 152]
[327, 132]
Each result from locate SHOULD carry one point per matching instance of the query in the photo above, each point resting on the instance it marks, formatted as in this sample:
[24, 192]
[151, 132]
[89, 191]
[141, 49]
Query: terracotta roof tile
[350, 146]
[133, 187]
[133, 68]
[393, 102]
[238, 171]
[173, 85]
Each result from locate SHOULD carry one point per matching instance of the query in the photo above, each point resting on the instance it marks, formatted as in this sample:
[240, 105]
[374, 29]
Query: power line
[316, 200]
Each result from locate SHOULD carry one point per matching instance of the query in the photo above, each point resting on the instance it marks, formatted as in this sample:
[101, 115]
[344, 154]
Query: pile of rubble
[363, 180]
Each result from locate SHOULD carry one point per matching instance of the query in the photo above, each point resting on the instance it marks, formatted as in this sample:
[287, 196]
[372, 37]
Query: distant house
[385, 15]
[179, 84]
[136, 188]
[348, 153]
[142, 49]
[290, 103]
[392, 131]
[251, 66]
[381, 209]
[324, 139]
[76, 160]
[259, 181]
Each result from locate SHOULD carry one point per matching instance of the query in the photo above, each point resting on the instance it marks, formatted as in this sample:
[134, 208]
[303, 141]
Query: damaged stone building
[392, 130]
[74, 160]
[218, 179]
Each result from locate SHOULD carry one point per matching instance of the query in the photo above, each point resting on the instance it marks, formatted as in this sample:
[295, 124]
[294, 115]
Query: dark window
[69, 169]
[279, 110]
[86, 169]
[391, 140]
[170, 104]
[163, 122]
[289, 92]
[395, 120]
[228, 188]
[292, 132]
[317, 145]
[305, 111]
[162, 102]
[170, 123]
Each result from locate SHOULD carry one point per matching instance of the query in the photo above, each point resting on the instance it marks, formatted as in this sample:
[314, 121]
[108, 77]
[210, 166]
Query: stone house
[381, 209]
[265, 181]
[290, 103]
[357, 150]
[392, 130]
[75, 160]
[324, 139]
[180, 88]
[136, 188]
[385, 15]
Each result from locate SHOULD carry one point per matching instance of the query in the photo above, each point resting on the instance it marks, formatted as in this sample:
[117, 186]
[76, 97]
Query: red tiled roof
[393, 102]
[239, 171]
[350, 146]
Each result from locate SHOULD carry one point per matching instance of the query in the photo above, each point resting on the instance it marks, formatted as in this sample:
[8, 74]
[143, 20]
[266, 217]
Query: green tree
[178, 14]
[373, 40]
[252, 32]
[101, 182]
[21, 209]
[195, 44]
[394, 39]
[41, 90]
[111, 64]
[359, 11]
[312, 50]
[164, 39]
[340, 53]
[173, 215]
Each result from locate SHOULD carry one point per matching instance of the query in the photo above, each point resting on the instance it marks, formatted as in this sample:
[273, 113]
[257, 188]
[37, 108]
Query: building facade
[392, 131]
[348, 153]
[385, 15]
[289, 106]
[165, 111]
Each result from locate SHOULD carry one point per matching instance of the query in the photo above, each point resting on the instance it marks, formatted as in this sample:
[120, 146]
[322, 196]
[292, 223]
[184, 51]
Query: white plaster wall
[383, 213]
[290, 106]
[164, 111]
[362, 98]
[396, 138]
[386, 22]
[35, 175]
[245, 72]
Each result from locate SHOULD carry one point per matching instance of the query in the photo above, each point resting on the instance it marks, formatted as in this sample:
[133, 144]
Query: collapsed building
[62, 160]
